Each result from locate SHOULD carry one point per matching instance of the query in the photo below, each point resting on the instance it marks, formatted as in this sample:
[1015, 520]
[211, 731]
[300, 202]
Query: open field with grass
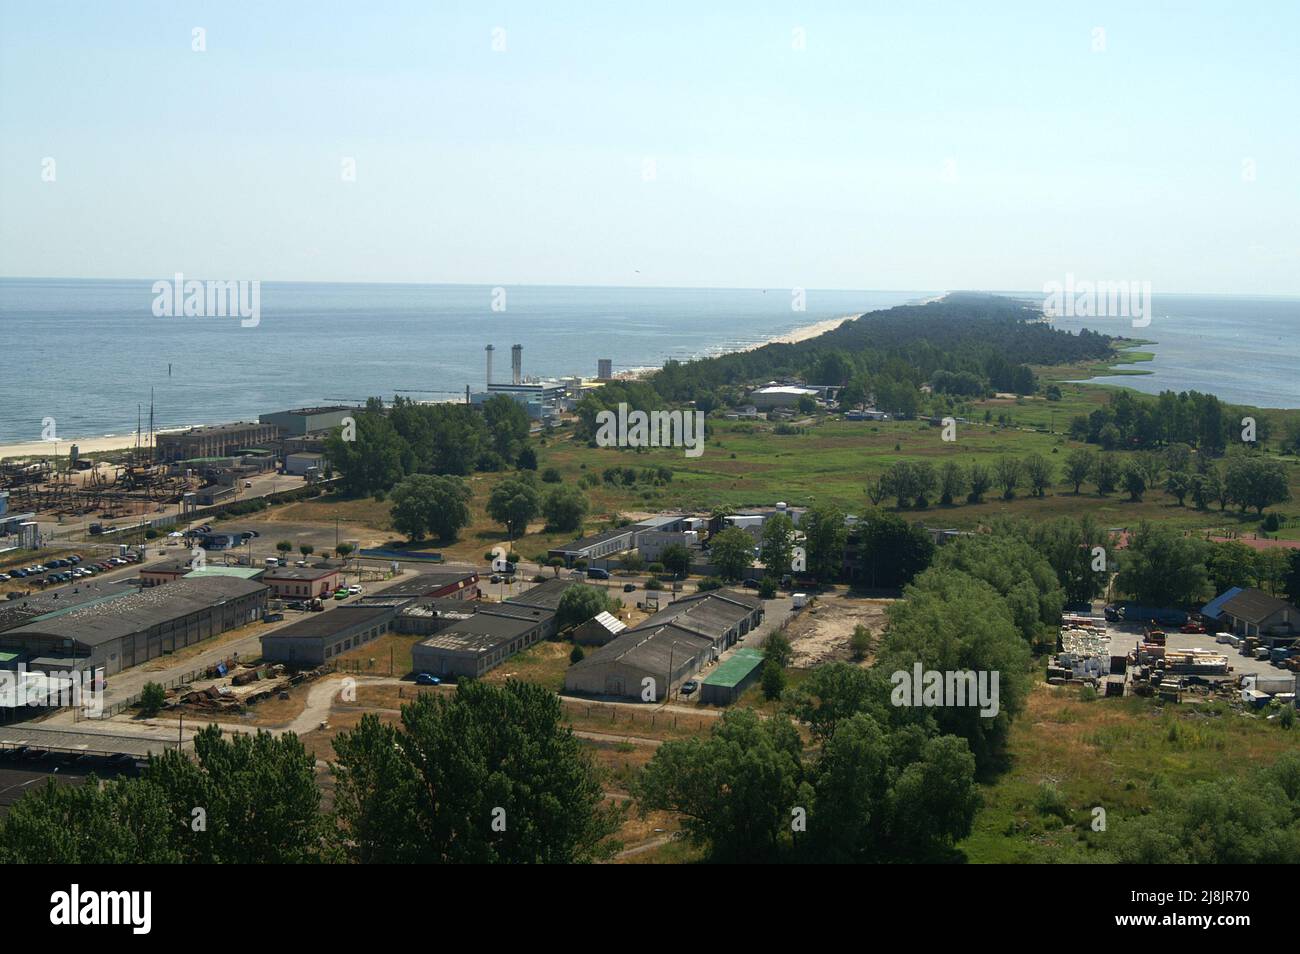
[1067, 756]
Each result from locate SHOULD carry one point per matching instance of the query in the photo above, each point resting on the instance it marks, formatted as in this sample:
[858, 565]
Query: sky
[863, 145]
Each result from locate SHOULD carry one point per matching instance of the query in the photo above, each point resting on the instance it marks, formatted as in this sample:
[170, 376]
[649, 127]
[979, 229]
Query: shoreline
[122, 442]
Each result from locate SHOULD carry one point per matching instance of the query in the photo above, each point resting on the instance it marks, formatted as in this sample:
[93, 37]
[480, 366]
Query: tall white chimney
[517, 363]
[489, 349]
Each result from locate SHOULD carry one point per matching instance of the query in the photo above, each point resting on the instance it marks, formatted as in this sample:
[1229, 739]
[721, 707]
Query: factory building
[115, 632]
[472, 645]
[446, 584]
[215, 440]
[542, 399]
[301, 583]
[308, 420]
[656, 657]
[319, 637]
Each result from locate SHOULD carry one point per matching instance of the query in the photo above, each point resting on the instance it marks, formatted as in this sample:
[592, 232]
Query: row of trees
[487, 775]
[1188, 417]
[425, 505]
[1246, 480]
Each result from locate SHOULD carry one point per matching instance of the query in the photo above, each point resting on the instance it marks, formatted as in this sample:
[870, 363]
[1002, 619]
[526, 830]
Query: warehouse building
[656, 657]
[1253, 612]
[304, 464]
[473, 645]
[733, 676]
[120, 631]
[598, 630]
[214, 440]
[308, 420]
[319, 637]
[452, 583]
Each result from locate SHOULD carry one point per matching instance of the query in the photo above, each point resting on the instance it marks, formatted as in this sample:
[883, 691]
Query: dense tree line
[441, 439]
[487, 775]
[974, 343]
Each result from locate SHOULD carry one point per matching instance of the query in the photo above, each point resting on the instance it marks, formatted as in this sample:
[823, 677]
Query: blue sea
[1245, 349]
[87, 352]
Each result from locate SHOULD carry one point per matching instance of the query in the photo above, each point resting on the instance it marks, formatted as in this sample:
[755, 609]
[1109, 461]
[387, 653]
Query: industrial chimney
[489, 349]
[517, 363]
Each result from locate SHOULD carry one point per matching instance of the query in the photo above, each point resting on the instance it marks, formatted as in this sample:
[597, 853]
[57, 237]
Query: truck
[800, 600]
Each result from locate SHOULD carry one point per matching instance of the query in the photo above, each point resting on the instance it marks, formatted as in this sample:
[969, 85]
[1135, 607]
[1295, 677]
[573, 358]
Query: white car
[354, 590]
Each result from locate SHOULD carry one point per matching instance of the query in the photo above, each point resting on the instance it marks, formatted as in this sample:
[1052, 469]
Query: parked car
[689, 686]
[4, 577]
[596, 573]
[340, 594]
[496, 577]
[296, 605]
[1192, 627]
[354, 589]
[427, 679]
[272, 617]
[629, 587]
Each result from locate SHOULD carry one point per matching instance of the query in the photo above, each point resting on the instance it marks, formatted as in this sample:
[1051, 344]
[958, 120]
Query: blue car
[427, 679]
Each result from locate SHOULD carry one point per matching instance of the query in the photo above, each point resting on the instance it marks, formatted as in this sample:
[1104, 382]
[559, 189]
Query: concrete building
[117, 631]
[308, 420]
[610, 543]
[319, 637]
[733, 676]
[301, 583]
[215, 440]
[661, 653]
[167, 572]
[472, 645]
[543, 596]
[604, 369]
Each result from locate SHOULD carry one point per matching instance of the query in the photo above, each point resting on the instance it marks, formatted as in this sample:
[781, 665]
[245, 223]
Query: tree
[1255, 481]
[1078, 465]
[1292, 581]
[1008, 562]
[631, 562]
[556, 564]
[776, 545]
[777, 649]
[1040, 473]
[824, 537]
[564, 509]
[733, 789]
[514, 502]
[1007, 471]
[980, 482]
[1161, 567]
[372, 460]
[773, 680]
[860, 642]
[1068, 545]
[284, 546]
[344, 550]
[527, 459]
[732, 552]
[1178, 485]
[152, 698]
[676, 560]
[578, 604]
[423, 503]
[1105, 473]
[507, 426]
[952, 622]
[837, 691]
[576, 655]
[258, 793]
[891, 551]
[306, 549]
[490, 774]
[1134, 480]
[952, 482]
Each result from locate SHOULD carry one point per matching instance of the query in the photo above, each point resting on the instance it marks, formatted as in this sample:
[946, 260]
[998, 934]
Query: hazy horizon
[827, 148]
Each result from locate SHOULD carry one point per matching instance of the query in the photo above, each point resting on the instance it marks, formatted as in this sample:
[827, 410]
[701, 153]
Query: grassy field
[1068, 756]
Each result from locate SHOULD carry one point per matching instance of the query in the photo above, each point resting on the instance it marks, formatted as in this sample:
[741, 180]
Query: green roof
[239, 572]
[735, 669]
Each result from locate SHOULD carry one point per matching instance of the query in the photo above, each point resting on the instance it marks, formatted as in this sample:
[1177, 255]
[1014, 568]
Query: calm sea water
[1246, 350]
[87, 352]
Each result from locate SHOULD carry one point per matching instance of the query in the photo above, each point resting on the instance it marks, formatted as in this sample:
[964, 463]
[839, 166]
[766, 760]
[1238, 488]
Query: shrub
[152, 698]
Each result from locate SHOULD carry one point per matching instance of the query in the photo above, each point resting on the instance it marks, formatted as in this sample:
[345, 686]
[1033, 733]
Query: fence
[175, 682]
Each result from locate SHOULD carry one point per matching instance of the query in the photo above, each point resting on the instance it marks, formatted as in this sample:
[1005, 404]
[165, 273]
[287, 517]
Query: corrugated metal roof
[735, 668]
[1214, 608]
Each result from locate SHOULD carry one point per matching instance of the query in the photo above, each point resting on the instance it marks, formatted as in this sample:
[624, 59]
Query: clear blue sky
[830, 167]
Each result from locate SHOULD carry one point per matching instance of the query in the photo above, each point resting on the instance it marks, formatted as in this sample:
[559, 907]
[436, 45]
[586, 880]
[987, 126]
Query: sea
[1244, 349]
[91, 354]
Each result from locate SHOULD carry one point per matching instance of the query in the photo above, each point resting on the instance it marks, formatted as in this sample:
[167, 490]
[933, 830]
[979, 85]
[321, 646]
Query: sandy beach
[804, 333]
